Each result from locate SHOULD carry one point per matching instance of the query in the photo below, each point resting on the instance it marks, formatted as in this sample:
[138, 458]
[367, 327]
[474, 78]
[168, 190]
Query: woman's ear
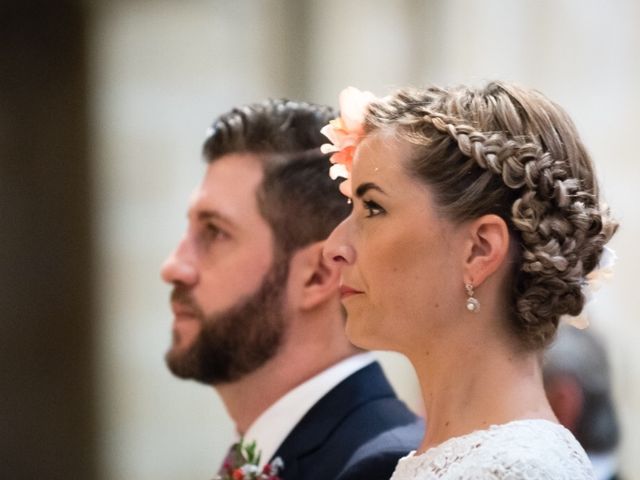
[487, 248]
[317, 279]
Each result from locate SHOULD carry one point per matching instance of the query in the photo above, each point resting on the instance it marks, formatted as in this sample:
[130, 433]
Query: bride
[476, 225]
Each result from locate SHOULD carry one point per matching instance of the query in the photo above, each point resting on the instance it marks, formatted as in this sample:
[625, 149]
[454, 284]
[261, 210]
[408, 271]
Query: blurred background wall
[103, 111]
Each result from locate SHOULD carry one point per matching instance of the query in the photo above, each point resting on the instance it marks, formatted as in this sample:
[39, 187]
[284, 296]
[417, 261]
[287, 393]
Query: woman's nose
[337, 249]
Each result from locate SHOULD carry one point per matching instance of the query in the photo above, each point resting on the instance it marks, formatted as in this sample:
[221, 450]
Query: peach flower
[345, 132]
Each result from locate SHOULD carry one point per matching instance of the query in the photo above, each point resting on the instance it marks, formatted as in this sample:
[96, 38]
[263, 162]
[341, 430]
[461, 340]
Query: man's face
[228, 297]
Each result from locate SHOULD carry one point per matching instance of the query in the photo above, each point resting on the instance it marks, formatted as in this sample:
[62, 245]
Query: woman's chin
[359, 333]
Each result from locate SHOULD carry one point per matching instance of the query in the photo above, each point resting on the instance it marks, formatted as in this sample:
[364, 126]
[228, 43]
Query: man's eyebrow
[204, 215]
[365, 187]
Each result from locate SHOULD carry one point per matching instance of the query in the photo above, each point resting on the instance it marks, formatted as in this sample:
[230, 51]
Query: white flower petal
[338, 170]
[608, 258]
[329, 132]
[249, 469]
[604, 272]
[277, 463]
[353, 105]
[328, 148]
[580, 321]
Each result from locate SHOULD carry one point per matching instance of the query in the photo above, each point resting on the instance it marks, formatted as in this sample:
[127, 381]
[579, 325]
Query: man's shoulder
[362, 407]
[358, 428]
[377, 458]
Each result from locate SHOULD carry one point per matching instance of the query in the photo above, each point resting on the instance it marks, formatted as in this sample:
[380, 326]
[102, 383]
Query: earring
[473, 305]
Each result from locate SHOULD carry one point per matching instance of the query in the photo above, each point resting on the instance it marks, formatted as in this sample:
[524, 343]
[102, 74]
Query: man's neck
[247, 398]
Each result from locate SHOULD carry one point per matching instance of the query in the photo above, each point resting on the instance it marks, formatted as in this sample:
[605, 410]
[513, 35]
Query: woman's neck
[477, 383]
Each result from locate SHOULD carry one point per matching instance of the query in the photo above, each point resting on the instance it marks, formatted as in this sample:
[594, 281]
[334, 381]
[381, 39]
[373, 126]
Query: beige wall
[162, 70]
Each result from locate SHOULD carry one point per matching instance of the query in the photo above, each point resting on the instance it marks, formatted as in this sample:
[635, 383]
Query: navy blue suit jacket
[358, 430]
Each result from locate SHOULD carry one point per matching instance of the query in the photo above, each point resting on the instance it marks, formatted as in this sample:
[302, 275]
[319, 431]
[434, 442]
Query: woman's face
[401, 267]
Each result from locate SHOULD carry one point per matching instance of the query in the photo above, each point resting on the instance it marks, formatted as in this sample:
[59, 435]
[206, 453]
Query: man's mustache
[182, 297]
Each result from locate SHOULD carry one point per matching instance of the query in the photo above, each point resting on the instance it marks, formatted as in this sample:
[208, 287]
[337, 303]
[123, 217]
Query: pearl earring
[473, 305]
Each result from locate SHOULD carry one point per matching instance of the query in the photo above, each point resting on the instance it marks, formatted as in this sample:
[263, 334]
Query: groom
[256, 308]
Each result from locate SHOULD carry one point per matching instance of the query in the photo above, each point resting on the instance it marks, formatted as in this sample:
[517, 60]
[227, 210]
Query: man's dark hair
[297, 198]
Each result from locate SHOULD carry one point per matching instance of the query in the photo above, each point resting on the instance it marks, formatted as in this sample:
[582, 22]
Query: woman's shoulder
[536, 449]
[523, 449]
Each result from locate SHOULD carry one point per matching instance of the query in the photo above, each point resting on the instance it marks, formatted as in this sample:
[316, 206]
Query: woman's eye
[372, 208]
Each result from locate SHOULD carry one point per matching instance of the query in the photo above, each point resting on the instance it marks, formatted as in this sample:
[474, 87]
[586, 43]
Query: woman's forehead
[381, 155]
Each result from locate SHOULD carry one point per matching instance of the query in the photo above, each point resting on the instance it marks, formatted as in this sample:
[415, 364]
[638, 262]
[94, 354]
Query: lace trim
[522, 449]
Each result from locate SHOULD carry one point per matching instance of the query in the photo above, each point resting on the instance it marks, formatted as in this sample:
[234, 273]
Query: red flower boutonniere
[243, 464]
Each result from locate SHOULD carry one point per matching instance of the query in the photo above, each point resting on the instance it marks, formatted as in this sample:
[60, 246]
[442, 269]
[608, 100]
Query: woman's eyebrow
[365, 187]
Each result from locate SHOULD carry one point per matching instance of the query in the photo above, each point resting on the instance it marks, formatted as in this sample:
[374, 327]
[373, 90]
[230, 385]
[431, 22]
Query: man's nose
[179, 267]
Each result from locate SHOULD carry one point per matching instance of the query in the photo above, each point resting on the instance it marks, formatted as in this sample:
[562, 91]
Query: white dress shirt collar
[274, 424]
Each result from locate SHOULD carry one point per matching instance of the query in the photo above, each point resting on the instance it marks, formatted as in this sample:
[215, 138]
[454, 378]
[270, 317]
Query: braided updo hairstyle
[510, 151]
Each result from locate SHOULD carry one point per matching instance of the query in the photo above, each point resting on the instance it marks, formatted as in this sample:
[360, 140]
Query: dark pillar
[47, 424]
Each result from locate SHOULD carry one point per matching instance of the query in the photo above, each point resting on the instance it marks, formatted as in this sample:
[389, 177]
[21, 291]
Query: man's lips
[347, 291]
[183, 313]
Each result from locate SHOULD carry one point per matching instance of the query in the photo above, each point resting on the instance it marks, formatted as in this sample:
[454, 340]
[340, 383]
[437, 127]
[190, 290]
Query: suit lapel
[365, 385]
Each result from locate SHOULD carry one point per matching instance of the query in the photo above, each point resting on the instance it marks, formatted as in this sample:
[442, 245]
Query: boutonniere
[242, 464]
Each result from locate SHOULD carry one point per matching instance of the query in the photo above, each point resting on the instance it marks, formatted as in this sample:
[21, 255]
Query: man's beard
[237, 341]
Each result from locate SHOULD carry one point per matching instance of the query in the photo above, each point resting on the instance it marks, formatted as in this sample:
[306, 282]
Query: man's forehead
[206, 204]
[228, 189]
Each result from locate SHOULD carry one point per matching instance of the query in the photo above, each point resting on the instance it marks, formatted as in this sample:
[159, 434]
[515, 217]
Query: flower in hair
[604, 271]
[345, 132]
[595, 279]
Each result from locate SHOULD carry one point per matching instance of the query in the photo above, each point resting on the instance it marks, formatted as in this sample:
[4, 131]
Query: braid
[553, 215]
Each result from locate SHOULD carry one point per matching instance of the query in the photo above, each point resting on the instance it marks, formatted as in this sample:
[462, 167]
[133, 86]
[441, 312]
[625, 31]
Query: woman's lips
[346, 291]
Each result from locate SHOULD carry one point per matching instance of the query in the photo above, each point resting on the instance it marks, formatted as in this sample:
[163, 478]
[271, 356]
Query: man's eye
[372, 208]
[213, 232]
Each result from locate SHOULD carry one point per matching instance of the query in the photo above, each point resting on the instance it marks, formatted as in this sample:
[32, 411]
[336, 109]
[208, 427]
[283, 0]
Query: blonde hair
[510, 151]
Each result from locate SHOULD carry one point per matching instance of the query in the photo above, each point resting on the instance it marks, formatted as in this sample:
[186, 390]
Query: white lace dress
[518, 450]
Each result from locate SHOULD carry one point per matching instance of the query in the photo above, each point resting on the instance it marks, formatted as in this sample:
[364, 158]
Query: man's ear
[316, 279]
[487, 248]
